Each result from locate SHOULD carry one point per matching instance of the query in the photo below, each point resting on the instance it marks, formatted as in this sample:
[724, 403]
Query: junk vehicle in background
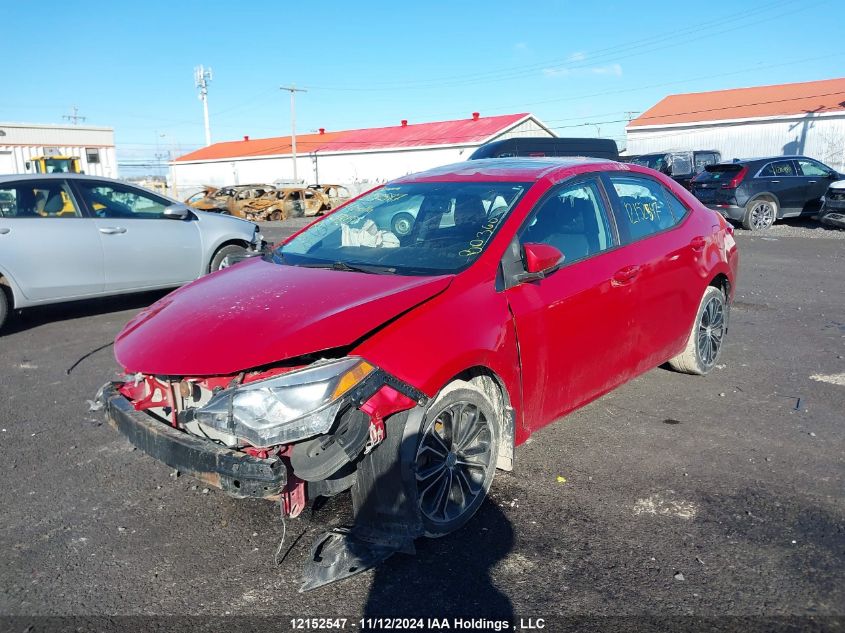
[758, 191]
[681, 166]
[65, 237]
[407, 368]
[227, 199]
[268, 202]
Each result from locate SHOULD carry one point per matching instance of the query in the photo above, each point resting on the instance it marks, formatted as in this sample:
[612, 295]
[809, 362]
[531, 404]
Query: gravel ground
[671, 499]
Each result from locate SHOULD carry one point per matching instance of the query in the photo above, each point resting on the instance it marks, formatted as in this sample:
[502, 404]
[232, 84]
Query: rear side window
[778, 168]
[646, 207]
[37, 199]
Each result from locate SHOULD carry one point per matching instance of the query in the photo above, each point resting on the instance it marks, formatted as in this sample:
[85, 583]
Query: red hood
[257, 313]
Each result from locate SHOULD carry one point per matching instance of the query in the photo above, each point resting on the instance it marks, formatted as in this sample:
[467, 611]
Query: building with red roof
[349, 157]
[800, 118]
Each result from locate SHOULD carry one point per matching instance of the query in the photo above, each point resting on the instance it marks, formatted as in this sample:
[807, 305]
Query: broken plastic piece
[339, 554]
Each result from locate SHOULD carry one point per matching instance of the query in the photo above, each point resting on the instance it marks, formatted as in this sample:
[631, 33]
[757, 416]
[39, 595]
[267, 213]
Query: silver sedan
[69, 236]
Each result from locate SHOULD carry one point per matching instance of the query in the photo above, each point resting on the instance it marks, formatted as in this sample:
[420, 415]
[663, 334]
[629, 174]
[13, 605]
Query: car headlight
[285, 408]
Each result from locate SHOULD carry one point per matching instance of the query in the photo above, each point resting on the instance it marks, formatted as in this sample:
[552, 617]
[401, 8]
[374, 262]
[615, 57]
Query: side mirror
[833, 174]
[176, 212]
[540, 260]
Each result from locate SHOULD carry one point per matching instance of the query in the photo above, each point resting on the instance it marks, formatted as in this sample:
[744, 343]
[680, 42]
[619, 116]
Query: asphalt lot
[682, 495]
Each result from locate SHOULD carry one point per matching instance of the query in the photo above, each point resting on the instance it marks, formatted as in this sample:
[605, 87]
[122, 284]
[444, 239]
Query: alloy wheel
[762, 215]
[452, 462]
[711, 330]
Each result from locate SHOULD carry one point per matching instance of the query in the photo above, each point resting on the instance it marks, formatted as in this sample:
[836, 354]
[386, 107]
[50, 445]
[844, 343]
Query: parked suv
[758, 191]
[681, 166]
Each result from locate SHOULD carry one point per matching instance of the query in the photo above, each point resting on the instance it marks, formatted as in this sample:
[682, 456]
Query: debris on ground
[561, 479]
[679, 576]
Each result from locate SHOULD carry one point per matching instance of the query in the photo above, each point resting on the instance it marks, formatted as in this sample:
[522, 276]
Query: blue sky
[581, 67]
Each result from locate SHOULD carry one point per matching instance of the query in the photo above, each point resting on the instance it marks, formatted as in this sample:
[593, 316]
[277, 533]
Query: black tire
[760, 214]
[705, 342]
[5, 305]
[401, 224]
[445, 466]
[218, 261]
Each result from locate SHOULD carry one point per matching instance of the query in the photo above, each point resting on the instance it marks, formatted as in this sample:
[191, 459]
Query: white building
[352, 157]
[21, 142]
[801, 118]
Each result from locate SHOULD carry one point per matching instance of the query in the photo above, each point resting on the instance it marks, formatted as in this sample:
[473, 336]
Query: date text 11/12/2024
[418, 624]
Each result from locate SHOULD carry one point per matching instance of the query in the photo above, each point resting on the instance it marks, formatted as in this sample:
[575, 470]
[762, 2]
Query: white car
[68, 236]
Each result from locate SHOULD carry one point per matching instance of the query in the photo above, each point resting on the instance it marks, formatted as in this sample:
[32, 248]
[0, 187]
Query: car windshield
[407, 229]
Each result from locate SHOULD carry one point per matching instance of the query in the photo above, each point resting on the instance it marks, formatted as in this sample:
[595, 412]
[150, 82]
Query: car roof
[517, 169]
[763, 159]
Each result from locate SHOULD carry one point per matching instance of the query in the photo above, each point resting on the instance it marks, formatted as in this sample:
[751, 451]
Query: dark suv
[759, 191]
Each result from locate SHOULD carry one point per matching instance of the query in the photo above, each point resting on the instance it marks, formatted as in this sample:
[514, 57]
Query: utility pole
[293, 90]
[201, 79]
[75, 117]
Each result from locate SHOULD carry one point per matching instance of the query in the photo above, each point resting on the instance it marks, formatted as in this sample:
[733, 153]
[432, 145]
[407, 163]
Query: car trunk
[712, 186]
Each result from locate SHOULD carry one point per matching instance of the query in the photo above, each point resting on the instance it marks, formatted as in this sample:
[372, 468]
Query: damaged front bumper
[833, 214]
[238, 474]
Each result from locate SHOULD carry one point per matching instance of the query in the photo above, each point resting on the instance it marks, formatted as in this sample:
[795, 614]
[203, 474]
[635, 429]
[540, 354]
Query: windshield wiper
[357, 268]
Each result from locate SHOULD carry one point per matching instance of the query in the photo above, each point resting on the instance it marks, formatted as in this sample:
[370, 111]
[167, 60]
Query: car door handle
[112, 230]
[625, 275]
[812, 182]
[774, 181]
[4, 230]
[697, 243]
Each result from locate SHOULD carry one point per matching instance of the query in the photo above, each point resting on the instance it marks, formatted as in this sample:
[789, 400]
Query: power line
[613, 53]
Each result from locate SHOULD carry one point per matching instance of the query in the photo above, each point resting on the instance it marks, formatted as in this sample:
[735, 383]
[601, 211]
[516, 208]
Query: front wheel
[704, 345]
[455, 458]
[760, 214]
[220, 259]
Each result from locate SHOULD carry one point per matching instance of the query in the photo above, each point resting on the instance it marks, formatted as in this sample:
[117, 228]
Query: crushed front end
[289, 433]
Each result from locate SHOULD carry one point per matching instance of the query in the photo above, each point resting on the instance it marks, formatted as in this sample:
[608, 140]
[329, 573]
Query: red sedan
[409, 367]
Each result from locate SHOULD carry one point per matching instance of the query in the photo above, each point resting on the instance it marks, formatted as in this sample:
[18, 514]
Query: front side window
[778, 168]
[37, 199]
[647, 207]
[573, 220]
[113, 200]
[812, 168]
[411, 229]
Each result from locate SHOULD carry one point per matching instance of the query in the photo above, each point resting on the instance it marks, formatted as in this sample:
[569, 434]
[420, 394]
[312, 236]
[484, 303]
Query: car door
[780, 177]
[47, 244]
[664, 260]
[815, 178]
[573, 325]
[142, 248]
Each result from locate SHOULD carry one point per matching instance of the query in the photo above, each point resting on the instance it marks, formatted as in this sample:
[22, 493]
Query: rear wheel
[455, 458]
[760, 214]
[704, 345]
[220, 261]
